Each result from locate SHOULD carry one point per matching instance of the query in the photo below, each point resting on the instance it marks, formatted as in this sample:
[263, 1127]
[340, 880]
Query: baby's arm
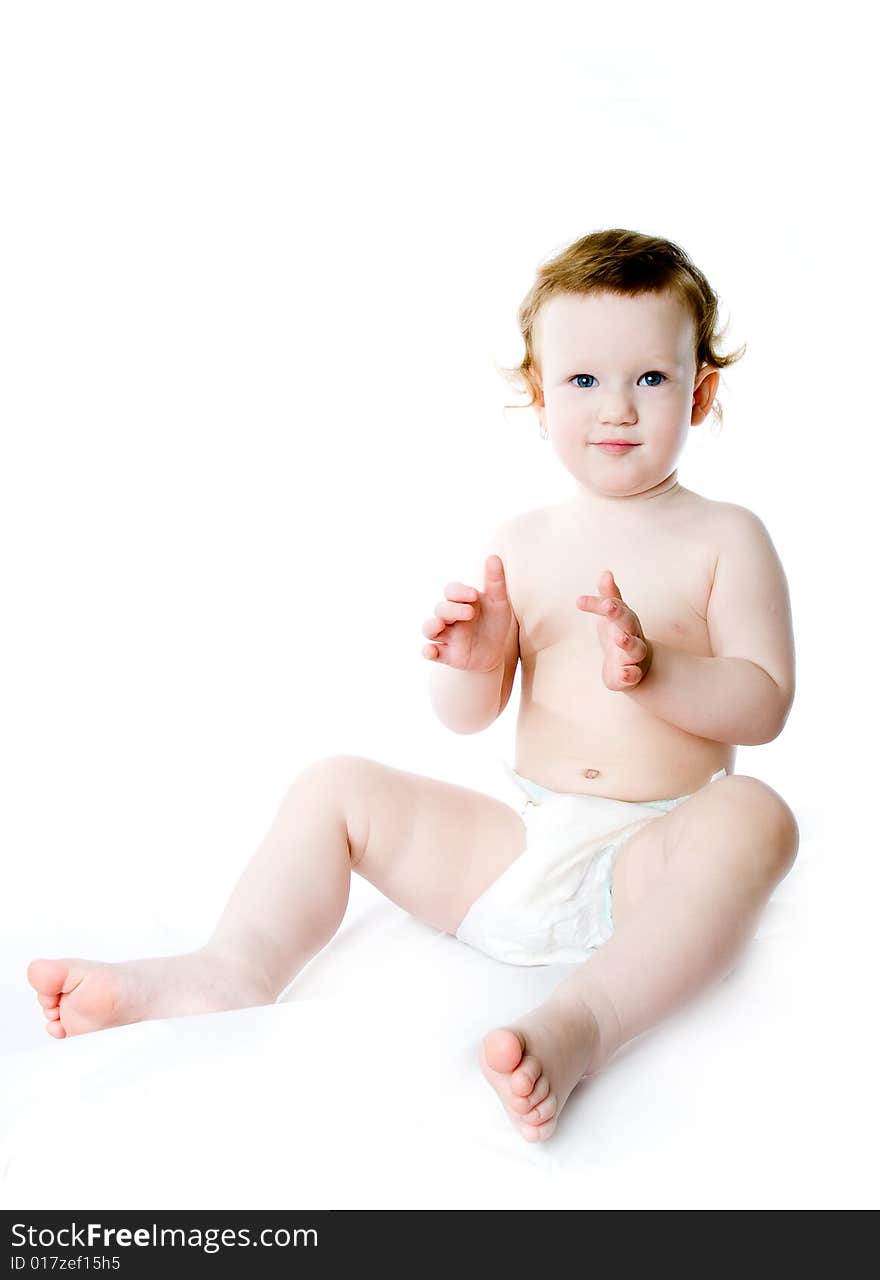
[467, 701]
[475, 647]
[743, 694]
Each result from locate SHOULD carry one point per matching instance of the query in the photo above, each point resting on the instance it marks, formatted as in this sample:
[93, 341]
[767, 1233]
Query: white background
[258, 264]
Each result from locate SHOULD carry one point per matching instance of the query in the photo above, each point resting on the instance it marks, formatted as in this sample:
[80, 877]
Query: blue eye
[652, 373]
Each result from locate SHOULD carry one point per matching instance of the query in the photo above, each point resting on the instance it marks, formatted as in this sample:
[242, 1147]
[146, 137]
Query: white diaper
[553, 903]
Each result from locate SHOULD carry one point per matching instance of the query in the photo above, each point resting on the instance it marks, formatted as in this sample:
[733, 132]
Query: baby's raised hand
[469, 628]
[626, 653]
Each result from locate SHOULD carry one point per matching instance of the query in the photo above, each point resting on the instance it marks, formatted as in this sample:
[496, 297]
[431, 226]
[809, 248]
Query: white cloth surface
[361, 1089]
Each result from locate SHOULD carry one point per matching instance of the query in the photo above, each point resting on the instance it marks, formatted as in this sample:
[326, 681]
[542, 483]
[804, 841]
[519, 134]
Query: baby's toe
[47, 977]
[538, 1132]
[526, 1076]
[55, 1029]
[50, 1001]
[538, 1094]
[544, 1111]
[502, 1050]
[52, 1015]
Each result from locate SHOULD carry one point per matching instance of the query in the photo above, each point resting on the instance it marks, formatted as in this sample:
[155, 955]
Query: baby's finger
[608, 585]
[606, 607]
[458, 591]
[433, 628]
[630, 675]
[495, 579]
[433, 651]
[618, 611]
[591, 604]
[449, 611]
[634, 647]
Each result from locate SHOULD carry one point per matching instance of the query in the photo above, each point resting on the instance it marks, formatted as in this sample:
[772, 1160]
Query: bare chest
[664, 574]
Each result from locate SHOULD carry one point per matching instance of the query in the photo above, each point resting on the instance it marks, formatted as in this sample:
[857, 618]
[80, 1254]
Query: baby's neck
[589, 500]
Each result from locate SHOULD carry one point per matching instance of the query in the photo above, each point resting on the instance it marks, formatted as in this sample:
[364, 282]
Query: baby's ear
[704, 395]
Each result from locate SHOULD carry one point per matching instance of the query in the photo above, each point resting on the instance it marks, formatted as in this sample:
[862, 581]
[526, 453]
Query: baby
[636, 850]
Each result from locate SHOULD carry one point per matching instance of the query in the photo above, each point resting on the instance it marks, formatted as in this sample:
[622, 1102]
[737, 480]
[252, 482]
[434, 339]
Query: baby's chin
[626, 484]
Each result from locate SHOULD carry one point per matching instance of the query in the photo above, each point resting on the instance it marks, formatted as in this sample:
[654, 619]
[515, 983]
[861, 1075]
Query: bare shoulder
[516, 533]
[735, 516]
[525, 524]
[739, 531]
[724, 525]
[711, 513]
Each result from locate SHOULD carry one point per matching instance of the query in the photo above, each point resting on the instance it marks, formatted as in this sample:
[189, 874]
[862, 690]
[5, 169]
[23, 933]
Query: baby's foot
[534, 1065]
[87, 995]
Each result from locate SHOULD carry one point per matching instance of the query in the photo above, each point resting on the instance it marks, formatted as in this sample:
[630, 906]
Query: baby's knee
[761, 809]
[340, 776]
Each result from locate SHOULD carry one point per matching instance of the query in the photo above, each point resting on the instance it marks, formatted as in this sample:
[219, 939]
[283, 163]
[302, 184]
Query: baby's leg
[430, 846]
[688, 890]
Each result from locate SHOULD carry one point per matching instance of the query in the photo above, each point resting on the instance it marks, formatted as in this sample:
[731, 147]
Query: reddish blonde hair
[622, 262]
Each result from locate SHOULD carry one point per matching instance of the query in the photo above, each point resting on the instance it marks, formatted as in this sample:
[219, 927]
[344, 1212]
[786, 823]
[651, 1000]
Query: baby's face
[620, 369]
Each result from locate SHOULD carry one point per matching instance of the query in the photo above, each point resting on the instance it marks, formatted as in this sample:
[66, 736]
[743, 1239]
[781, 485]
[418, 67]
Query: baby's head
[620, 345]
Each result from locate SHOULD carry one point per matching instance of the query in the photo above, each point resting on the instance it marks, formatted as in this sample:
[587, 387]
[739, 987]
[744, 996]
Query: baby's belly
[591, 746]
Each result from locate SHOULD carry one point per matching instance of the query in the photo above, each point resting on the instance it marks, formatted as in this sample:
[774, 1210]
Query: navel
[591, 773]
